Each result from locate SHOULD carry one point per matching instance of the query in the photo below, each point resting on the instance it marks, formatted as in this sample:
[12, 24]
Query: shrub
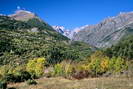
[117, 64]
[81, 71]
[21, 77]
[14, 73]
[24, 75]
[67, 67]
[81, 67]
[3, 85]
[58, 70]
[104, 64]
[31, 82]
[99, 63]
[5, 70]
[62, 69]
[95, 66]
[36, 67]
[10, 78]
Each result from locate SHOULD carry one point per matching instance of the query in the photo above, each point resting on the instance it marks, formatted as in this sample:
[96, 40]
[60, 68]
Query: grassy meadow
[88, 83]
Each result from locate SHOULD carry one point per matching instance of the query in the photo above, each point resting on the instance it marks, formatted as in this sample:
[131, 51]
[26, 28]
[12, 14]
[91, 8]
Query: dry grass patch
[90, 83]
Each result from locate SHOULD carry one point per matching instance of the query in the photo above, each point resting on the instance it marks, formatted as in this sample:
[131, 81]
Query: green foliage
[15, 43]
[36, 67]
[60, 52]
[10, 78]
[14, 73]
[58, 70]
[99, 63]
[82, 50]
[31, 82]
[3, 84]
[80, 70]
[11, 24]
[123, 49]
[117, 64]
[36, 22]
[62, 69]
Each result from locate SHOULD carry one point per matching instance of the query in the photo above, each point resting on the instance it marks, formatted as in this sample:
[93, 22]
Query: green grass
[90, 83]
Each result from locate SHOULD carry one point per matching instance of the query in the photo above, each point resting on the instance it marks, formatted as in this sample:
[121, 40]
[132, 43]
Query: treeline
[123, 49]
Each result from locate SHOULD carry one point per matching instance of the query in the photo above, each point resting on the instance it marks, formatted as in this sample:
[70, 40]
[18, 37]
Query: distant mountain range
[105, 34]
[62, 30]
[67, 32]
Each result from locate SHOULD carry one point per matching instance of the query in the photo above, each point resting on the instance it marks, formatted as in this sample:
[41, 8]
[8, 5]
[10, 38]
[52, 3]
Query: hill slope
[22, 40]
[123, 49]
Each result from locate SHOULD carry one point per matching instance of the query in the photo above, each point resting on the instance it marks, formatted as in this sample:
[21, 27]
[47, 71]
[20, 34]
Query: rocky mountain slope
[107, 32]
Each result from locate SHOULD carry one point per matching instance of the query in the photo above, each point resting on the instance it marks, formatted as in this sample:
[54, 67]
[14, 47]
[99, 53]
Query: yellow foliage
[10, 69]
[64, 68]
[82, 67]
[4, 69]
[99, 62]
[17, 69]
[36, 66]
[105, 64]
[67, 67]
[97, 54]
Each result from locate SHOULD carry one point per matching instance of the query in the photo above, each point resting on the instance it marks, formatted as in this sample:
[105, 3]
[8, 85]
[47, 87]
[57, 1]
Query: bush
[62, 69]
[99, 63]
[117, 64]
[80, 71]
[24, 75]
[104, 64]
[36, 67]
[10, 78]
[21, 77]
[58, 70]
[3, 85]
[31, 82]
[14, 73]
[5, 70]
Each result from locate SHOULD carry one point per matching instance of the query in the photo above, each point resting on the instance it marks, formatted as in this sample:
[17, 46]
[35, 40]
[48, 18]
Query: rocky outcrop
[23, 15]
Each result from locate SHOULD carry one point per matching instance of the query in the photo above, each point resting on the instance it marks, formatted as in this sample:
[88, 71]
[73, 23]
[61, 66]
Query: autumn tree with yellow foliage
[36, 66]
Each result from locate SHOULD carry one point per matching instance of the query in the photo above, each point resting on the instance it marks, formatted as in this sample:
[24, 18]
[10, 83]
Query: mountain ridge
[108, 30]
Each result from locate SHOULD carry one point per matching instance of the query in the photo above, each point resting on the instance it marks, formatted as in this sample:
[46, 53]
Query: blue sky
[69, 13]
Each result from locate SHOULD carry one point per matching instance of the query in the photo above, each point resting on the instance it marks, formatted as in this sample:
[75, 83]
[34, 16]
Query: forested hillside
[124, 48]
[24, 40]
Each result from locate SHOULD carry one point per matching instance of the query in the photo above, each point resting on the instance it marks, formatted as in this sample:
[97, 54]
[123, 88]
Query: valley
[36, 55]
